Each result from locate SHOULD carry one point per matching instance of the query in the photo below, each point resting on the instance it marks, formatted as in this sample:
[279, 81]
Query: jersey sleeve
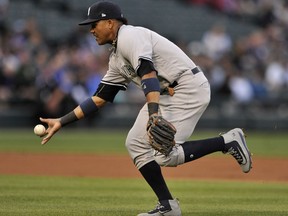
[135, 44]
[108, 91]
[111, 84]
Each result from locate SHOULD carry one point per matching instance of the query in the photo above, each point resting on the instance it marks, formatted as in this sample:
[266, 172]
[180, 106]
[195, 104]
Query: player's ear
[110, 23]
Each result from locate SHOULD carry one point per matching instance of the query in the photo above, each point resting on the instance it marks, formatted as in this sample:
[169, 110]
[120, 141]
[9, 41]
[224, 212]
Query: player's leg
[194, 102]
[177, 110]
[142, 155]
[233, 142]
[183, 110]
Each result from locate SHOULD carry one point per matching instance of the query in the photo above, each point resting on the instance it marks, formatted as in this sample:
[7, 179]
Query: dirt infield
[116, 166]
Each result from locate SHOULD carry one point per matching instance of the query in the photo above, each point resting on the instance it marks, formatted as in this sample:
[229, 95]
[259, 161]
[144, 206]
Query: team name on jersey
[128, 71]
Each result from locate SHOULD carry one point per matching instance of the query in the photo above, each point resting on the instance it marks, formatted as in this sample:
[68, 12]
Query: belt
[196, 70]
[170, 89]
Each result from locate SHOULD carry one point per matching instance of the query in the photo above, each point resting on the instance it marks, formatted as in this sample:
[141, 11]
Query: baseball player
[177, 93]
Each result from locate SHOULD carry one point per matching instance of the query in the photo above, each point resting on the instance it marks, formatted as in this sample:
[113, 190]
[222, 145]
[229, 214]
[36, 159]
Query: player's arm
[89, 106]
[105, 93]
[150, 85]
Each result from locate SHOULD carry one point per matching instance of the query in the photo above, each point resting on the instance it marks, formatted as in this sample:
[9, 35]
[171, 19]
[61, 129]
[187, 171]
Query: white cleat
[165, 208]
[235, 145]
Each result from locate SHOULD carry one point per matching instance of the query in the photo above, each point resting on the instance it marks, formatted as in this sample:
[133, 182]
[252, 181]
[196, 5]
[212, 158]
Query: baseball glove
[161, 134]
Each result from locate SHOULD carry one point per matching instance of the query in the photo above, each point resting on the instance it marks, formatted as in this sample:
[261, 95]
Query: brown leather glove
[161, 134]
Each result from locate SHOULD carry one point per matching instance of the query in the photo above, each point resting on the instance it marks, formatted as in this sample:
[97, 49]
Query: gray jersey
[183, 109]
[135, 43]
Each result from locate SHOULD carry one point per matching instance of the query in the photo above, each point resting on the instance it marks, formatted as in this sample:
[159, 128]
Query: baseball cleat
[165, 208]
[235, 145]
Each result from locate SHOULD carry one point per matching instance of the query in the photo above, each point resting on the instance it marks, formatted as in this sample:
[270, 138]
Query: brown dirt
[121, 166]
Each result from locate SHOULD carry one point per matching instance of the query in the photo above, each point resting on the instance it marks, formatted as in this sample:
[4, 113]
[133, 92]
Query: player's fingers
[49, 133]
[46, 139]
[44, 120]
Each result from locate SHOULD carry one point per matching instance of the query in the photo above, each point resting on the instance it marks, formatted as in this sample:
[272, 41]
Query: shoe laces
[236, 155]
[157, 208]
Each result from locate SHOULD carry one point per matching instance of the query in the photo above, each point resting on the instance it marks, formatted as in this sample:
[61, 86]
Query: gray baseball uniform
[183, 109]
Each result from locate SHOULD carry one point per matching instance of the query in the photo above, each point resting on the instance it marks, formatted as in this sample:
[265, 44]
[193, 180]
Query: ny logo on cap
[89, 11]
[103, 15]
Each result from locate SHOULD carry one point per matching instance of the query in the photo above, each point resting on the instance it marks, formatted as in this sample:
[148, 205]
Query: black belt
[194, 71]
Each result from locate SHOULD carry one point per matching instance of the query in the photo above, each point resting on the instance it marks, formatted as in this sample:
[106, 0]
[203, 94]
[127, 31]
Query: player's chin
[99, 41]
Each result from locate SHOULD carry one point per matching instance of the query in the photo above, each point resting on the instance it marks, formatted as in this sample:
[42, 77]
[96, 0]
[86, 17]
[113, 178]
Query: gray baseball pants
[183, 110]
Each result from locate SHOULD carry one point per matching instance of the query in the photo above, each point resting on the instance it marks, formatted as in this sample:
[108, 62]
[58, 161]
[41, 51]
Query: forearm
[153, 97]
[72, 116]
[152, 102]
[86, 108]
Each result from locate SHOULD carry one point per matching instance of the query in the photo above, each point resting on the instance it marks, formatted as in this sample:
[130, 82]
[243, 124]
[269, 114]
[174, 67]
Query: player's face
[102, 31]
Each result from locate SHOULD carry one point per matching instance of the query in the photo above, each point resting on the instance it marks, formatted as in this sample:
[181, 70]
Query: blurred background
[48, 64]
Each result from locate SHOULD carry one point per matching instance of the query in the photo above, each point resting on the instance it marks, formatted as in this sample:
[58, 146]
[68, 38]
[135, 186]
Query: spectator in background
[241, 89]
[18, 68]
[276, 75]
[3, 11]
[55, 82]
[67, 78]
[281, 12]
[217, 42]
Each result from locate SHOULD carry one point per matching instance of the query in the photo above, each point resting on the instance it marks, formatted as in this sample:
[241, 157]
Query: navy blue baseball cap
[103, 10]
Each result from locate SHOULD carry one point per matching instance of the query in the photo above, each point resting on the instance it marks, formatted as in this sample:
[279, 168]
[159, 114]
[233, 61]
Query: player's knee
[128, 142]
[175, 158]
[138, 154]
[166, 162]
[207, 97]
[134, 146]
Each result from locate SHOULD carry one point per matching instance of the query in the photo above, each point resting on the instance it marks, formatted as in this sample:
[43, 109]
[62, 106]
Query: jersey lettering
[128, 71]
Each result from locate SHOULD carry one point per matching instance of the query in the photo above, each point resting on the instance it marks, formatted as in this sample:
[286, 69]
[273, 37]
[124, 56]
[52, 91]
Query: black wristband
[68, 118]
[152, 108]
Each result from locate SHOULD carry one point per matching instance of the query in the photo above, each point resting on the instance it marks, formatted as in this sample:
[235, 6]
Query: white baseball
[39, 130]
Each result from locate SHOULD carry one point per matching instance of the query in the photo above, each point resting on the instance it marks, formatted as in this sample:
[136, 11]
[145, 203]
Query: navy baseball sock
[153, 175]
[199, 148]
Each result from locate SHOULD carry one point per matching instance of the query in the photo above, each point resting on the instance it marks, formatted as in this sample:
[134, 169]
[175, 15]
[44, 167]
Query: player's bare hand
[53, 126]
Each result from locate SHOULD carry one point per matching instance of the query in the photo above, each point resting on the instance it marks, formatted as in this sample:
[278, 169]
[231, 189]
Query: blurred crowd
[57, 76]
[251, 67]
[262, 12]
[54, 75]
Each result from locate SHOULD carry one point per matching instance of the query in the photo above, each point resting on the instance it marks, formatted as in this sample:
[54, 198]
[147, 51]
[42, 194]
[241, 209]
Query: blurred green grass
[23, 195]
[65, 141]
[47, 195]
[264, 144]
